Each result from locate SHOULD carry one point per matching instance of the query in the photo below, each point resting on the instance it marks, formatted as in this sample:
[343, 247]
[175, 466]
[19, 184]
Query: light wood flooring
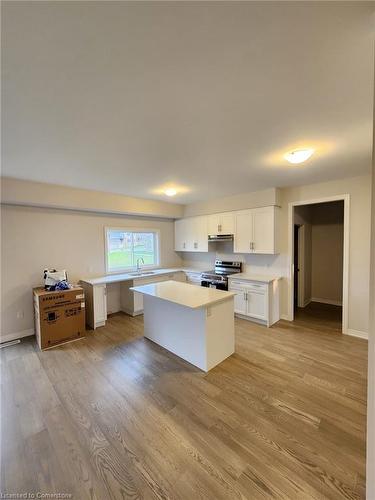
[114, 416]
[317, 316]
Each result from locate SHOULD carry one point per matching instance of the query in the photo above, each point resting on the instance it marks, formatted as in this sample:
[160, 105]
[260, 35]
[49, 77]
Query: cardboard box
[59, 316]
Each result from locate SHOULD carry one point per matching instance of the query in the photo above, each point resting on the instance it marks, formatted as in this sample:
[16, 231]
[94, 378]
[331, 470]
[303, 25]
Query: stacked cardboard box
[59, 316]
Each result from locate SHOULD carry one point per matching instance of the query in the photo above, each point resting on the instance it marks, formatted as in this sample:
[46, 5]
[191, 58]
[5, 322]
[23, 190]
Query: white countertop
[254, 277]
[184, 294]
[115, 278]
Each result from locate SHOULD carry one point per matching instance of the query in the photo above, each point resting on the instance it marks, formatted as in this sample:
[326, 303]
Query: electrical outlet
[19, 314]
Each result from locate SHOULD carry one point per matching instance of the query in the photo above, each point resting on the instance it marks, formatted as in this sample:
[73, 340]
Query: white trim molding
[327, 301]
[356, 333]
[345, 286]
[17, 335]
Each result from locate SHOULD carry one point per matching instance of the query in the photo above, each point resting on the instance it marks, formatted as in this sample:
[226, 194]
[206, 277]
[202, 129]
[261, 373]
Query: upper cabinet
[191, 235]
[256, 231]
[221, 224]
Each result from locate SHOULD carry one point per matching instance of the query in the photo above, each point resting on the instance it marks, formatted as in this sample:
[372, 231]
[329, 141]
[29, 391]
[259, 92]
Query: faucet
[138, 264]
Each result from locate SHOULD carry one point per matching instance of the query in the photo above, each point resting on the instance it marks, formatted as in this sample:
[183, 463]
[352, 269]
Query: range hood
[220, 237]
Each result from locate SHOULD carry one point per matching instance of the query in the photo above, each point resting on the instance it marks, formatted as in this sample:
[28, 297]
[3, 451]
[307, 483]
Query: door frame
[345, 286]
[301, 265]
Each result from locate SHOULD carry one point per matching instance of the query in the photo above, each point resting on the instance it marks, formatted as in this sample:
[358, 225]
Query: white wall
[39, 194]
[35, 238]
[359, 189]
[237, 202]
[327, 240]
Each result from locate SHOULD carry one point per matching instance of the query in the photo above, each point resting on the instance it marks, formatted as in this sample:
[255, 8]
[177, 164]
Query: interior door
[256, 304]
[244, 232]
[263, 231]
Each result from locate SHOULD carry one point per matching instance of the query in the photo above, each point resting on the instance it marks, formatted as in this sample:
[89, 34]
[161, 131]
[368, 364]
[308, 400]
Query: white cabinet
[180, 235]
[191, 234]
[257, 304]
[221, 224]
[256, 301]
[240, 303]
[256, 231]
[96, 304]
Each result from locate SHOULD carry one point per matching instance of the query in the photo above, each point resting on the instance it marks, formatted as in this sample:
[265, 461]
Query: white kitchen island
[195, 323]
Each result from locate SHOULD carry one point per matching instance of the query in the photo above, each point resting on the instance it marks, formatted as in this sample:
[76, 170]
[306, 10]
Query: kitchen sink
[148, 273]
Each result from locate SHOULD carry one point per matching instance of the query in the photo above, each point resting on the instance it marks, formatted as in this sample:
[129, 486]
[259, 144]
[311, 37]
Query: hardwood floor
[318, 316]
[116, 416]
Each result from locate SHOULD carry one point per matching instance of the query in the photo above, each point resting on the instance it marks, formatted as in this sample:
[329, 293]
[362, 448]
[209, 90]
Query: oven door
[220, 285]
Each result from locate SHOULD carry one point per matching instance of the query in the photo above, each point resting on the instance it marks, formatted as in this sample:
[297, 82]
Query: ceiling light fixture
[299, 155]
[170, 192]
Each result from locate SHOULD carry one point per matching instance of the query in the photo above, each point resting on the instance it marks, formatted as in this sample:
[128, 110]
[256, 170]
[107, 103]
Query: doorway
[319, 256]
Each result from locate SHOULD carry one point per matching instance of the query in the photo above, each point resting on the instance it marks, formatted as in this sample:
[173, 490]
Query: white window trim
[126, 270]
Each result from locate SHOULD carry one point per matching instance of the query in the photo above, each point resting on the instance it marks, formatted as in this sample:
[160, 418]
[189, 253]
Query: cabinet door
[198, 232]
[240, 302]
[263, 230]
[183, 235]
[213, 224]
[100, 304]
[226, 223]
[179, 235]
[244, 232]
[257, 304]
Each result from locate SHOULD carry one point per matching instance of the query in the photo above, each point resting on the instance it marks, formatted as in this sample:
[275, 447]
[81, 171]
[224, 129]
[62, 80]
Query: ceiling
[132, 97]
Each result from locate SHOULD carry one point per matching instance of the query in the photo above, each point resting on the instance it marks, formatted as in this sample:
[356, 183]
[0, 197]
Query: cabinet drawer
[248, 285]
[258, 287]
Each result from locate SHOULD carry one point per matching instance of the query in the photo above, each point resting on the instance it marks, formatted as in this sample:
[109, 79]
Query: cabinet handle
[195, 245]
[245, 296]
[184, 245]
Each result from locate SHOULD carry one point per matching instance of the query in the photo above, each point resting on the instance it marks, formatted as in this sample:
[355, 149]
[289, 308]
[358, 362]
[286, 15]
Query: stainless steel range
[218, 278]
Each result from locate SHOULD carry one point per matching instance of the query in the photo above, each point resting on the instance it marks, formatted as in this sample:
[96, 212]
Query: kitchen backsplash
[255, 263]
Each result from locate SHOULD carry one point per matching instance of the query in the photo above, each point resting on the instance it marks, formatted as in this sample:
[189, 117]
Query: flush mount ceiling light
[299, 155]
[170, 192]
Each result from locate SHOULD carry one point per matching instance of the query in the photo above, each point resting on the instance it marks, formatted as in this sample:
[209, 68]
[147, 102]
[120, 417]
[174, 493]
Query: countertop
[184, 294]
[254, 277]
[115, 278]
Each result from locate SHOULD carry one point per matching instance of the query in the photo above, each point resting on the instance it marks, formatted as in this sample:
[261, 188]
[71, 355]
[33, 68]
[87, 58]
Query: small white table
[195, 323]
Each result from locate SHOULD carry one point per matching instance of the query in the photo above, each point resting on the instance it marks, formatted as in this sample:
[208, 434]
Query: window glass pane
[126, 247]
[120, 245]
[144, 248]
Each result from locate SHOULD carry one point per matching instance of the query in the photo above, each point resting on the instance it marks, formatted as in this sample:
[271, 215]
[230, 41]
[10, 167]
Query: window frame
[127, 229]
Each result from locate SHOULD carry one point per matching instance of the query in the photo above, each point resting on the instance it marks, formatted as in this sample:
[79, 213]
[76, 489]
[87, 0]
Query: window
[125, 247]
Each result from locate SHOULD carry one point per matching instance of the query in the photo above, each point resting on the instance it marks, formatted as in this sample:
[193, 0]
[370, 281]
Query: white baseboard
[327, 301]
[307, 302]
[17, 335]
[356, 333]
[285, 316]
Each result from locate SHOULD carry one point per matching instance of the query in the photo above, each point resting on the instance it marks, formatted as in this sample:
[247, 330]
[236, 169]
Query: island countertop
[184, 294]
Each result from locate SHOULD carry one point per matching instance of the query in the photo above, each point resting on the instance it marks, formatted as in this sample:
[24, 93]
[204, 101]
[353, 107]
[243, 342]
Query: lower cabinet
[132, 302]
[256, 301]
[96, 304]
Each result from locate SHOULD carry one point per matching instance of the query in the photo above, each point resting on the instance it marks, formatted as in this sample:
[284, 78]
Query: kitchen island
[195, 323]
